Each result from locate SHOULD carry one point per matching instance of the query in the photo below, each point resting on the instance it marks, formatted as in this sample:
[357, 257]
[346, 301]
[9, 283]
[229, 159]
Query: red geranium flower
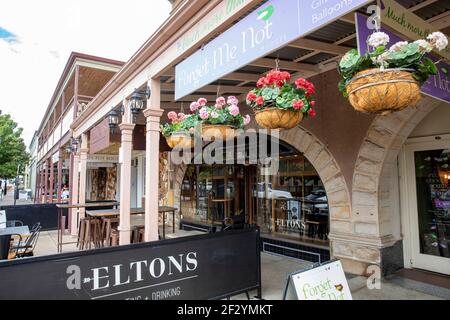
[312, 103]
[297, 104]
[260, 101]
[251, 96]
[312, 113]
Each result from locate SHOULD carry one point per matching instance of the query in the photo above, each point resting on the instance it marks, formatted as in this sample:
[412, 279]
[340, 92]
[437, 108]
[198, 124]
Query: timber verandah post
[46, 180]
[74, 194]
[126, 148]
[51, 179]
[152, 114]
[83, 170]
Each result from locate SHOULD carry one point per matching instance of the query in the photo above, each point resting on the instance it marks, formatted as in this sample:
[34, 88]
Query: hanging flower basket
[281, 105]
[274, 118]
[221, 132]
[386, 80]
[383, 91]
[219, 121]
[180, 140]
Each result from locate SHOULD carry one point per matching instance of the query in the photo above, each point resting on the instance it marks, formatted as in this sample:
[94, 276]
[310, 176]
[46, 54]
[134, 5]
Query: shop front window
[291, 204]
[433, 201]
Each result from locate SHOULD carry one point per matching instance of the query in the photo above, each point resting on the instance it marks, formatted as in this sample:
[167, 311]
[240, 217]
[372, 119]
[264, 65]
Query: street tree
[13, 154]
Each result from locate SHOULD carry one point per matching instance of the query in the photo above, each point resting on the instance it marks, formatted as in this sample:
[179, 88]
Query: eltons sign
[210, 266]
[266, 29]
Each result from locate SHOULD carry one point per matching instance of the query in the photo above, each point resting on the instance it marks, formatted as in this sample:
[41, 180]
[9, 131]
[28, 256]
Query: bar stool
[114, 238]
[137, 234]
[108, 225]
[82, 232]
[92, 232]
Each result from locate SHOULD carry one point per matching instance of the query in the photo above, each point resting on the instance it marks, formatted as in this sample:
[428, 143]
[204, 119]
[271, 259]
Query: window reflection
[291, 204]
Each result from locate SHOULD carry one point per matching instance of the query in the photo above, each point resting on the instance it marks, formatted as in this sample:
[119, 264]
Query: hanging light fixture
[137, 103]
[113, 119]
[72, 147]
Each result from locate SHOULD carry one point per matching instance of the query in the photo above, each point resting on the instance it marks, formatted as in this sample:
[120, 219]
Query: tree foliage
[12, 148]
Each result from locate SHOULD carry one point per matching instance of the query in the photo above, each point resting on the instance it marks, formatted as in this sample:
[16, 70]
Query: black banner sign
[209, 266]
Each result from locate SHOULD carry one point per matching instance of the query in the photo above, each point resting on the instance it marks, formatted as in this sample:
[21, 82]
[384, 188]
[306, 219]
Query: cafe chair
[26, 248]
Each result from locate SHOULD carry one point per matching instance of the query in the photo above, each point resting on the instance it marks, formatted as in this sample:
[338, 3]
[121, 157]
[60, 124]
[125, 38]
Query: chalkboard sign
[321, 282]
[210, 266]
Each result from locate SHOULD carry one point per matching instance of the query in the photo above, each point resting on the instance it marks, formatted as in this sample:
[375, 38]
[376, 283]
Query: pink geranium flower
[204, 114]
[247, 119]
[172, 115]
[234, 110]
[202, 102]
[220, 101]
[232, 100]
[194, 106]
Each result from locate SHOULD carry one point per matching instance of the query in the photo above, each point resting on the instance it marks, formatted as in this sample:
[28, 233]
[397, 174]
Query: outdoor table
[134, 211]
[184, 233]
[108, 213]
[164, 210]
[5, 238]
[61, 226]
[22, 230]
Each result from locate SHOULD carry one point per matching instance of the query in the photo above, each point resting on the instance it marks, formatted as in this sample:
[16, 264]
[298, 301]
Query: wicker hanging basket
[180, 140]
[274, 118]
[218, 131]
[383, 91]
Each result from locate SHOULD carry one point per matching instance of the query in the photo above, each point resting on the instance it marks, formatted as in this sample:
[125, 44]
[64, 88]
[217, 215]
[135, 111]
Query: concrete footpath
[275, 270]
[8, 200]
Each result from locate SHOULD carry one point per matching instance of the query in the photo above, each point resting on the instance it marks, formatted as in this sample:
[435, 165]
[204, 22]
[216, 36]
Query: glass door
[429, 205]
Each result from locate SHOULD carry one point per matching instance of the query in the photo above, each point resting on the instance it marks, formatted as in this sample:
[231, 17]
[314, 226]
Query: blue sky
[35, 44]
[7, 36]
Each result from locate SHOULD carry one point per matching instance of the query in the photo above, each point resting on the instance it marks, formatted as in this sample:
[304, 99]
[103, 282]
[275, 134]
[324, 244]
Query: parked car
[271, 193]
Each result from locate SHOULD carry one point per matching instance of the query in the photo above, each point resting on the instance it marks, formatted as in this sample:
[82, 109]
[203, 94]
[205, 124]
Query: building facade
[366, 189]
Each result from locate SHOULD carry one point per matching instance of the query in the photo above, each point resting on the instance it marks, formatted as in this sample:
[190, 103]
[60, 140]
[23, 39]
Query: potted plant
[386, 80]
[179, 132]
[279, 104]
[221, 119]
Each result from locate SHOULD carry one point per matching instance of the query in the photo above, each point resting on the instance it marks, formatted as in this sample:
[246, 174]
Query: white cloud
[48, 31]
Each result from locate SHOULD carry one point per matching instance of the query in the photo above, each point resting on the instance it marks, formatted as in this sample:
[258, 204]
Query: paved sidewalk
[275, 270]
[8, 200]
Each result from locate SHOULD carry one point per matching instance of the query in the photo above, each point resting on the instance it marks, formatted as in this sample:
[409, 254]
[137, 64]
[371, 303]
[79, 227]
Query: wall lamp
[136, 104]
[73, 145]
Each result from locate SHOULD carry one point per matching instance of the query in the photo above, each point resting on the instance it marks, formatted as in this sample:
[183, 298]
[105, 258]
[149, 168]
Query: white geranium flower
[398, 46]
[381, 60]
[438, 40]
[377, 39]
[424, 45]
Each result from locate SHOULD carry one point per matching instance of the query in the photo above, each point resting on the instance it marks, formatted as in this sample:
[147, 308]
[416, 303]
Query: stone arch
[375, 222]
[324, 163]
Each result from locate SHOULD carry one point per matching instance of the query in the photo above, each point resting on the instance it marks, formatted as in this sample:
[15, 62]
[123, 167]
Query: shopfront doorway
[426, 203]
[290, 206]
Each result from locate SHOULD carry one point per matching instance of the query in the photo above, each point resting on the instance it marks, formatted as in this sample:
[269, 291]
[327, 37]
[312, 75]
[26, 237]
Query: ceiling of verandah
[308, 56]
